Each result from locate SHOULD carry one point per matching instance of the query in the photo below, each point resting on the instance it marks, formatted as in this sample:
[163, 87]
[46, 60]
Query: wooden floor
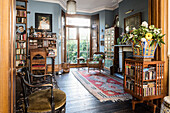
[79, 100]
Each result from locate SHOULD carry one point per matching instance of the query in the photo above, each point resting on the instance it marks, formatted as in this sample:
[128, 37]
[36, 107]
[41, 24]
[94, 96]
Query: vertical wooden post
[7, 22]
[158, 16]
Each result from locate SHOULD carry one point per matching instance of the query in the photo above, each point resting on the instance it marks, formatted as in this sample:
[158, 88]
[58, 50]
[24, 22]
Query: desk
[122, 49]
[79, 60]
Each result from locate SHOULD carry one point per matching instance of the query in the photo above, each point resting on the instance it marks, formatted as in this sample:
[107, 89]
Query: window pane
[78, 21]
[71, 33]
[84, 34]
[72, 51]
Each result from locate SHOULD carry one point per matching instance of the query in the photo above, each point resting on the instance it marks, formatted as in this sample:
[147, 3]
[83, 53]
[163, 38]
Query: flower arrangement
[143, 33]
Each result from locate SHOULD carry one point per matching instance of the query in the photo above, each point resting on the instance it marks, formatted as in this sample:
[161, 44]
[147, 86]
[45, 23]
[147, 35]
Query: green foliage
[144, 33]
[72, 50]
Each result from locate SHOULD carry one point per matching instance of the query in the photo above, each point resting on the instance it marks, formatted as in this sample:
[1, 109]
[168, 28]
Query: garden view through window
[78, 39]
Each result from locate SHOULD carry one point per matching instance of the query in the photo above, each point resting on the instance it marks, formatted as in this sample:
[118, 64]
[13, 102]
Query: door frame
[73, 26]
[7, 52]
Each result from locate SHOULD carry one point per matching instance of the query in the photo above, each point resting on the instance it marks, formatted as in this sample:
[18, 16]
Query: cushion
[97, 57]
[93, 62]
[40, 100]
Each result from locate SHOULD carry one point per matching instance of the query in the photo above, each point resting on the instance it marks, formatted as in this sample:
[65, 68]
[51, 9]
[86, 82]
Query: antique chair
[96, 61]
[38, 60]
[43, 100]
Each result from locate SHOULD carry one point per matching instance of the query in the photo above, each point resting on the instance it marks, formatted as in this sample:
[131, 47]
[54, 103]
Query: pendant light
[71, 7]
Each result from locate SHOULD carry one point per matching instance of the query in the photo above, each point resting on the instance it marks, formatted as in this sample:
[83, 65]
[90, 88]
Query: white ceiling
[89, 6]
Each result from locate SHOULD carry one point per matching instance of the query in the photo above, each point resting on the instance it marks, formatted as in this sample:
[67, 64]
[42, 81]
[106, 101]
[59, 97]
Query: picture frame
[43, 22]
[132, 21]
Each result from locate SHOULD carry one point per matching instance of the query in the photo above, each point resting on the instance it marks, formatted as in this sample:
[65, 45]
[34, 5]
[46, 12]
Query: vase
[144, 51]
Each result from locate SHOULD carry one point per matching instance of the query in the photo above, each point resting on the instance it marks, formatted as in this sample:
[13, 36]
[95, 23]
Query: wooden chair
[96, 61]
[38, 60]
[43, 100]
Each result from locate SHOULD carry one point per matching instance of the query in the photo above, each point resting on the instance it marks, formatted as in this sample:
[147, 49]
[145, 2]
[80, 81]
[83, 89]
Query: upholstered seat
[40, 101]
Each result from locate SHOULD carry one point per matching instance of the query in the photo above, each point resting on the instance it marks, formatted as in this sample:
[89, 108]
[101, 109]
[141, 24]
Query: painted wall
[137, 5]
[105, 17]
[48, 8]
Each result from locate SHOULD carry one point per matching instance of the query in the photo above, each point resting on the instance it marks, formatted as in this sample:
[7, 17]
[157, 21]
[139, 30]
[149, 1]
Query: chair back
[97, 54]
[23, 74]
[38, 59]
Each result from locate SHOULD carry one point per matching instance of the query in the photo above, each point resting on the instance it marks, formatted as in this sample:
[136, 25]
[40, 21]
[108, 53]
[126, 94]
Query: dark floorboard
[79, 100]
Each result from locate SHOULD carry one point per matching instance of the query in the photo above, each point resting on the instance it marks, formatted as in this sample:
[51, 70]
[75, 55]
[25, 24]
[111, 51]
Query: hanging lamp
[71, 7]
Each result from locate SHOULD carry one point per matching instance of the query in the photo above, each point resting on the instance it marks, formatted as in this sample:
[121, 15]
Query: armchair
[45, 100]
[96, 61]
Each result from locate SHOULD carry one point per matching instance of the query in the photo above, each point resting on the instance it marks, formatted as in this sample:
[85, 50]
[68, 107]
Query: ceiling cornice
[62, 3]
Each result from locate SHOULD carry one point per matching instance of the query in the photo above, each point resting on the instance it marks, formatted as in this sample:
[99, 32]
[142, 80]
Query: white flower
[135, 35]
[144, 24]
[157, 31]
[131, 35]
[143, 39]
[134, 28]
[151, 27]
[127, 29]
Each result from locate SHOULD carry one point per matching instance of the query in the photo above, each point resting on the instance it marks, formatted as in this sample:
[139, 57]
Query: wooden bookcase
[42, 42]
[111, 36]
[21, 38]
[144, 80]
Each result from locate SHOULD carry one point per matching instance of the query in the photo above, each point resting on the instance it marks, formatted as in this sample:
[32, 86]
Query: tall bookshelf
[144, 80]
[21, 37]
[111, 36]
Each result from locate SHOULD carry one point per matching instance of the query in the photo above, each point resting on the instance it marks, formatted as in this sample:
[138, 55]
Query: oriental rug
[102, 86]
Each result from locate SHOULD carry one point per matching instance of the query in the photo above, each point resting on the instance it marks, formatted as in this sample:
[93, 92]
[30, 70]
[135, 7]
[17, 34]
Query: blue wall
[137, 5]
[48, 8]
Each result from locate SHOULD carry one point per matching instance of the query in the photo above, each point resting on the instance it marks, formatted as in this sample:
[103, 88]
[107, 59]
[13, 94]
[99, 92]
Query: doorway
[77, 39]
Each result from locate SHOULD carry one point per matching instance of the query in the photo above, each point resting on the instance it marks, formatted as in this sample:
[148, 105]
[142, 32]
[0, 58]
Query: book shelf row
[148, 73]
[20, 51]
[21, 20]
[20, 57]
[21, 13]
[149, 88]
[20, 45]
[21, 37]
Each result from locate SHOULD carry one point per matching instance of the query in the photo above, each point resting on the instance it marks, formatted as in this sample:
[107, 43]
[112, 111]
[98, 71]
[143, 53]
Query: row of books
[20, 57]
[21, 20]
[130, 70]
[149, 73]
[20, 45]
[20, 51]
[21, 13]
[21, 37]
[149, 88]
[20, 63]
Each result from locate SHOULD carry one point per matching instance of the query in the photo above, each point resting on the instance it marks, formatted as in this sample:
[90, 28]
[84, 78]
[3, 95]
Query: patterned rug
[102, 86]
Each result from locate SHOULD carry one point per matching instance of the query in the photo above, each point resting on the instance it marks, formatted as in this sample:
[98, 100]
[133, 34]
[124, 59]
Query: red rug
[102, 86]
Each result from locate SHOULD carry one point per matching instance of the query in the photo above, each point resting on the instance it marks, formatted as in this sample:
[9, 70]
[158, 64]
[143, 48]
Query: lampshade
[71, 7]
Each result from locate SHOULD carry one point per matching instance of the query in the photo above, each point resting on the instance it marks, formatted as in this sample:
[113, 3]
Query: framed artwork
[132, 21]
[43, 22]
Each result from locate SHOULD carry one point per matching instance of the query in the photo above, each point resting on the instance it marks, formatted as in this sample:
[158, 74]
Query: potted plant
[144, 40]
